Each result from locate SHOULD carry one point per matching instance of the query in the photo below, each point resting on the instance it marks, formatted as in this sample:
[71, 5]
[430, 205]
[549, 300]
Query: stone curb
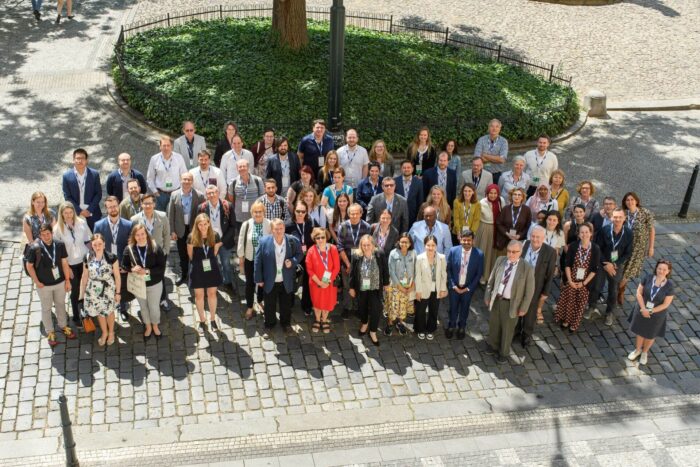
[655, 105]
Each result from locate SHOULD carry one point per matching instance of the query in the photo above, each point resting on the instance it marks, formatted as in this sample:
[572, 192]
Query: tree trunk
[289, 20]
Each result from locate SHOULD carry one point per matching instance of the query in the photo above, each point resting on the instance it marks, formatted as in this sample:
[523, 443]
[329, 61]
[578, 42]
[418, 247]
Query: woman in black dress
[648, 319]
[202, 247]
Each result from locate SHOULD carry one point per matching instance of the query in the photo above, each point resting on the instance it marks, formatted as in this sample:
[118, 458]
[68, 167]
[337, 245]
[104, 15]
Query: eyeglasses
[299, 211]
[389, 185]
[148, 203]
[513, 251]
[320, 237]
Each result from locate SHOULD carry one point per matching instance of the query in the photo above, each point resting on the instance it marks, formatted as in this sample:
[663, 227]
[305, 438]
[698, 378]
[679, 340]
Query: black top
[155, 261]
[428, 161]
[571, 256]
[40, 255]
[295, 230]
[609, 241]
[356, 270]
[222, 147]
[106, 255]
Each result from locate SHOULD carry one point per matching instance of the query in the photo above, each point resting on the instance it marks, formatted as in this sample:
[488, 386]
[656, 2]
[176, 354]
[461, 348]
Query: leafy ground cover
[232, 69]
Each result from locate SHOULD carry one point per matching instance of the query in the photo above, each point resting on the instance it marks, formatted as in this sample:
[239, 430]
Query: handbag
[88, 324]
[135, 283]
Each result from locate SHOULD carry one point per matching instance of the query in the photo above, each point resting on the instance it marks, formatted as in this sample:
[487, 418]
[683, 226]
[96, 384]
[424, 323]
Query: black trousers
[182, 253]
[305, 292]
[426, 314]
[75, 290]
[369, 304]
[526, 324]
[251, 287]
[278, 295]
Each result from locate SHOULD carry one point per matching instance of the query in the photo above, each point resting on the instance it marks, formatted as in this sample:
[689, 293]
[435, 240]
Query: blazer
[429, 158]
[115, 187]
[103, 227]
[391, 238]
[473, 212]
[364, 192]
[265, 265]
[485, 180]
[180, 146]
[399, 211]
[93, 192]
[544, 269]
[475, 268]
[597, 220]
[424, 278]
[430, 178]
[522, 290]
[161, 228]
[227, 220]
[414, 198]
[505, 222]
[258, 149]
[274, 170]
[245, 238]
[356, 270]
[176, 214]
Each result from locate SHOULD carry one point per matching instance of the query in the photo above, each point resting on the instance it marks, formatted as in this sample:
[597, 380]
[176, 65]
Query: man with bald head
[118, 179]
[543, 259]
[430, 226]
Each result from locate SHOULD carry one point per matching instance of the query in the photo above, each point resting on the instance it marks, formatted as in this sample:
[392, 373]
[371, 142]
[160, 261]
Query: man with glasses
[190, 144]
[493, 149]
[465, 265]
[388, 199]
[508, 293]
[82, 188]
[411, 188]
[182, 210]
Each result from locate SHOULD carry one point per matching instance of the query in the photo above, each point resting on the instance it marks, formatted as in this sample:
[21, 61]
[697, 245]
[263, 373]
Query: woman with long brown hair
[437, 199]
[421, 152]
[202, 247]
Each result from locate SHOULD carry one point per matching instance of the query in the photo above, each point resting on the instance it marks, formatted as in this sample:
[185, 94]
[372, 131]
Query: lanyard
[142, 257]
[537, 160]
[350, 159]
[319, 146]
[476, 180]
[374, 188]
[612, 237]
[190, 148]
[324, 258]
[465, 258]
[466, 214]
[115, 230]
[355, 237]
[655, 289]
[212, 210]
[52, 256]
[136, 209]
[549, 239]
[381, 239]
[631, 219]
[492, 143]
[404, 260]
[420, 156]
[407, 185]
[81, 180]
[584, 252]
[206, 250]
[532, 256]
[187, 203]
[515, 216]
[72, 232]
[366, 266]
[559, 191]
[301, 231]
[205, 181]
[166, 167]
[149, 225]
[390, 205]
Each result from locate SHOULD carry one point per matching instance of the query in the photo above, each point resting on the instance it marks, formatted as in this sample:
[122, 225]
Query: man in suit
[480, 177]
[396, 204]
[82, 188]
[222, 219]
[189, 144]
[442, 176]
[543, 259]
[283, 167]
[275, 266]
[411, 188]
[508, 294]
[118, 179]
[465, 265]
[115, 231]
[131, 204]
[158, 227]
[182, 210]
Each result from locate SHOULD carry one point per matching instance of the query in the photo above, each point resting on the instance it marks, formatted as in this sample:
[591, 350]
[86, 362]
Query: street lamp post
[335, 82]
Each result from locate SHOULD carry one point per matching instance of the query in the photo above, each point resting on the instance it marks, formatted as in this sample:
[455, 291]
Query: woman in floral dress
[641, 222]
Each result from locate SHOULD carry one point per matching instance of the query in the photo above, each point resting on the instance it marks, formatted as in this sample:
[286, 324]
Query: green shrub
[213, 71]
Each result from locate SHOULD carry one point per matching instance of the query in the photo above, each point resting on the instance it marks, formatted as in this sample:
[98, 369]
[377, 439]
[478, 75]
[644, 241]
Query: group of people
[353, 230]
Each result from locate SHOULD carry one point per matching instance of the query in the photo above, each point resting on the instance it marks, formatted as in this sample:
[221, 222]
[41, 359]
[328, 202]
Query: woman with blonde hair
[74, 232]
[322, 266]
[558, 192]
[437, 199]
[144, 257]
[325, 173]
[37, 215]
[202, 247]
[585, 190]
[421, 152]
[252, 231]
[379, 154]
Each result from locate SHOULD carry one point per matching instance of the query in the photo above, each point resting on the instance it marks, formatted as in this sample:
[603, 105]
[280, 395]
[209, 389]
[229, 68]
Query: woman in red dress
[322, 266]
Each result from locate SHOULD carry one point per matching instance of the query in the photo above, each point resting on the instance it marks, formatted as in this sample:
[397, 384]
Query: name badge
[405, 282]
[206, 265]
[168, 183]
[650, 306]
[321, 161]
[326, 277]
[244, 206]
[56, 273]
[148, 277]
[365, 284]
[614, 256]
[419, 169]
[513, 232]
[536, 180]
[285, 181]
[114, 248]
[580, 274]
[501, 288]
[303, 248]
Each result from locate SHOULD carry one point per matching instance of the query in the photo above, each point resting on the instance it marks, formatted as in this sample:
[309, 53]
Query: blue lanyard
[612, 237]
[585, 253]
[206, 250]
[301, 231]
[514, 216]
[655, 289]
[166, 167]
[390, 206]
[355, 237]
[52, 256]
[632, 219]
[142, 257]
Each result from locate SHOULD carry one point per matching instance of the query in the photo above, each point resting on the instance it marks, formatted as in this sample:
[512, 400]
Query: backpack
[25, 256]
[257, 185]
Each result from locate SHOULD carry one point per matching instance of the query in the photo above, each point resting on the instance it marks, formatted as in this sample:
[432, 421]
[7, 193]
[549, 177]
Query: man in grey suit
[182, 211]
[478, 176]
[189, 144]
[543, 259]
[158, 227]
[396, 204]
[508, 294]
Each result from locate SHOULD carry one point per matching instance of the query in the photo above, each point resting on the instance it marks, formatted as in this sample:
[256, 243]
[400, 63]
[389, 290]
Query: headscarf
[495, 205]
[535, 203]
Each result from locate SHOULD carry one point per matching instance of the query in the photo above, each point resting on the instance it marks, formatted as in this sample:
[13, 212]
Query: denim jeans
[225, 262]
[162, 201]
[36, 5]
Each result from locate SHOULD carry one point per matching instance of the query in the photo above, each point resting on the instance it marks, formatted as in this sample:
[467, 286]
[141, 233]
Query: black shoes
[525, 340]
[345, 314]
[388, 330]
[461, 334]
[402, 328]
[449, 333]
[181, 281]
[37, 15]
[501, 359]
[58, 19]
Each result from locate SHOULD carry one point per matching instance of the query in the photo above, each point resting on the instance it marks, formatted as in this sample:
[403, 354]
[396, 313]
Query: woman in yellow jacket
[467, 210]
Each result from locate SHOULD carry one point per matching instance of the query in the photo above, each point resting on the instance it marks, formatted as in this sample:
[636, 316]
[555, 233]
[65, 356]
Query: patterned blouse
[370, 269]
[35, 221]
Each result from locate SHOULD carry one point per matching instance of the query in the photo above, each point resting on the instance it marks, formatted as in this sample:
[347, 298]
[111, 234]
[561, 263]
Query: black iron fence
[170, 112]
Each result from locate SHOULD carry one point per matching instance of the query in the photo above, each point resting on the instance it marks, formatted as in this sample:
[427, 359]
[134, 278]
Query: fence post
[168, 19]
[551, 72]
[447, 35]
[221, 12]
[498, 54]
[68, 441]
[391, 24]
[689, 193]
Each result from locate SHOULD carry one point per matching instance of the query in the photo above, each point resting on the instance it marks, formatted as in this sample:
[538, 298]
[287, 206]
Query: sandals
[326, 326]
[540, 318]
[110, 339]
[249, 314]
[316, 326]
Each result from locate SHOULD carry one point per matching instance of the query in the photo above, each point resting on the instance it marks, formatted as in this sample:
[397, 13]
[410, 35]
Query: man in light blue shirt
[431, 226]
[493, 149]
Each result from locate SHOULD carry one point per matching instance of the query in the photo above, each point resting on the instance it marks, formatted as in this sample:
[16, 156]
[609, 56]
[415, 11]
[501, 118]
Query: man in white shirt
[353, 158]
[206, 174]
[229, 161]
[164, 172]
[540, 163]
[190, 143]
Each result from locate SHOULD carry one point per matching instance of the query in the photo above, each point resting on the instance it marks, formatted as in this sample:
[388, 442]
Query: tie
[506, 274]
[463, 268]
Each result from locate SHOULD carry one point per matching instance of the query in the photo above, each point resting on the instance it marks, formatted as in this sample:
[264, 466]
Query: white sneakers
[643, 356]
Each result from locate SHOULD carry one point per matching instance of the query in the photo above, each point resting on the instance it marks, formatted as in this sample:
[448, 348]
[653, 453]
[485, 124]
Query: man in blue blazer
[275, 267]
[465, 265]
[411, 188]
[117, 179]
[443, 176]
[115, 231]
[81, 186]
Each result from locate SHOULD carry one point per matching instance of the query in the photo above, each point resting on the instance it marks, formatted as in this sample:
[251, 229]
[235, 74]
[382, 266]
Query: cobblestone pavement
[633, 50]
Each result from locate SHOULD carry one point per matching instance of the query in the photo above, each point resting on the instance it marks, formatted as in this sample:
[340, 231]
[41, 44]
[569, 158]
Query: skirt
[483, 240]
[648, 328]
